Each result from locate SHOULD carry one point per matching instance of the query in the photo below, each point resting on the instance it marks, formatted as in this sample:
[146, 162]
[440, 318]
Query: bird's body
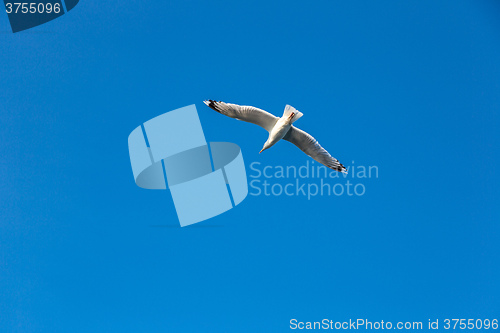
[279, 128]
[277, 133]
[282, 126]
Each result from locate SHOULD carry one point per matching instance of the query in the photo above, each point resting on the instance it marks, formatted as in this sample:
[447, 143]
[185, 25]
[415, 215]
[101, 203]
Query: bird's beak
[261, 150]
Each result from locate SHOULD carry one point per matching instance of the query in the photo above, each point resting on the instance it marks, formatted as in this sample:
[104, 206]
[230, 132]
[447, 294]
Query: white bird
[279, 128]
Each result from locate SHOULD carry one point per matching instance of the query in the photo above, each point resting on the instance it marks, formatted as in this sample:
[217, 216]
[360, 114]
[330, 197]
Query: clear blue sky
[411, 87]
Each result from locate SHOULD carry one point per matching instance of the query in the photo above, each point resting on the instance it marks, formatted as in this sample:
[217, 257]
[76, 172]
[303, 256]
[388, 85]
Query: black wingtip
[211, 104]
[339, 168]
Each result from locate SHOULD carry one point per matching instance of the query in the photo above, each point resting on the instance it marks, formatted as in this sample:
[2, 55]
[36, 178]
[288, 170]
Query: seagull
[279, 128]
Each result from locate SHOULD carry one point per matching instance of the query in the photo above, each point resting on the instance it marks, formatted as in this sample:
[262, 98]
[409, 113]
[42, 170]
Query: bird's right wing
[246, 113]
[311, 147]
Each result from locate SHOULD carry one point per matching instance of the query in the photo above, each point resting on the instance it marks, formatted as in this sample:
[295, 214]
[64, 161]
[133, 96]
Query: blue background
[412, 87]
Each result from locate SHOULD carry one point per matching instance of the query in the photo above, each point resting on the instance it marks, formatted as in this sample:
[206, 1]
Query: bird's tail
[291, 113]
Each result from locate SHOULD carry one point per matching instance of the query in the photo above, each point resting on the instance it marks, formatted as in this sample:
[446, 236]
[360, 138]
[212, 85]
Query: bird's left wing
[311, 147]
[246, 113]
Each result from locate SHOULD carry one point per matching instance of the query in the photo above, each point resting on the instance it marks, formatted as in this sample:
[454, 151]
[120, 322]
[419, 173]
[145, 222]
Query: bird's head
[266, 146]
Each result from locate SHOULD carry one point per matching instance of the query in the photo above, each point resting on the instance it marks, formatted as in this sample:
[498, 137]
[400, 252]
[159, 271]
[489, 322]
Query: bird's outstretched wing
[246, 113]
[311, 147]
